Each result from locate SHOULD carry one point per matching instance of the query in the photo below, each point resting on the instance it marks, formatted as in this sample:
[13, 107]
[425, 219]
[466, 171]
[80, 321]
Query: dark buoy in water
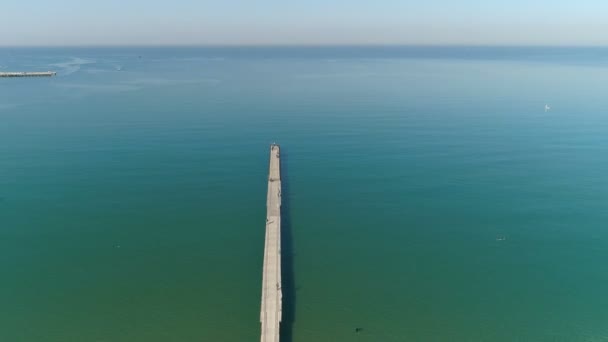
[358, 330]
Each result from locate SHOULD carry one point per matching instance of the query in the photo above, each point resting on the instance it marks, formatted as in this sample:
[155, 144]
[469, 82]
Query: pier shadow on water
[288, 285]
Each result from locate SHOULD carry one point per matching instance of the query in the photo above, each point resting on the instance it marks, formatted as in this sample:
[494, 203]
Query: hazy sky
[153, 22]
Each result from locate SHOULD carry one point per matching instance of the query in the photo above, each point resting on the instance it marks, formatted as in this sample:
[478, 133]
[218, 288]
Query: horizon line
[322, 45]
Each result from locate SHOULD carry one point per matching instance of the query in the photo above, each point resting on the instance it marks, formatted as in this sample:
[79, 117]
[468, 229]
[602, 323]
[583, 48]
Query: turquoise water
[429, 196]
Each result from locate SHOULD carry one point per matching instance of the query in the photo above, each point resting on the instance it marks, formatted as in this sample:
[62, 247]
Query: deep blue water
[429, 196]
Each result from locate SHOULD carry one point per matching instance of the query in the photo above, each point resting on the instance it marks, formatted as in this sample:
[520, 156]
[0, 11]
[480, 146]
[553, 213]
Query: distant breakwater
[28, 74]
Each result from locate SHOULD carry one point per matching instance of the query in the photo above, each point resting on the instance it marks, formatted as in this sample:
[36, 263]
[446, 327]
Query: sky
[304, 22]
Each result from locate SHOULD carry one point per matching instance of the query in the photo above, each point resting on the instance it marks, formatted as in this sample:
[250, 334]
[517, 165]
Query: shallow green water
[429, 197]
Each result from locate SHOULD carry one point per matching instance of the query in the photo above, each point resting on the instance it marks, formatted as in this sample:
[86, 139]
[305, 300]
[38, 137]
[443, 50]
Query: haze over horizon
[272, 22]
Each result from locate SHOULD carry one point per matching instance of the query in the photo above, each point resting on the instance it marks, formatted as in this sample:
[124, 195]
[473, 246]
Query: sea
[430, 193]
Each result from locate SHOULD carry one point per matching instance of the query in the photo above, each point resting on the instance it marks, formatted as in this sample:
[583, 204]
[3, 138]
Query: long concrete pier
[270, 314]
[28, 74]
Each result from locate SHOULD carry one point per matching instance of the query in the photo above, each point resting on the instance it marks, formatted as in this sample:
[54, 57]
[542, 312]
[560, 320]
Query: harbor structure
[28, 74]
[271, 308]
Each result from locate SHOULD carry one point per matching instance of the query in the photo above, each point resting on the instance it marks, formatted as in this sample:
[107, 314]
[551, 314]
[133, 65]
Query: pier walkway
[270, 313]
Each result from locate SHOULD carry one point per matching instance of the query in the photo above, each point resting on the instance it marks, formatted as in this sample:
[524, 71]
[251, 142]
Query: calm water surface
[429, 196]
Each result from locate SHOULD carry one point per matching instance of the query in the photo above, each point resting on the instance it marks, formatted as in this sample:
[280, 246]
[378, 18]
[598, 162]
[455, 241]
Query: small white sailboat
[547, 108]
